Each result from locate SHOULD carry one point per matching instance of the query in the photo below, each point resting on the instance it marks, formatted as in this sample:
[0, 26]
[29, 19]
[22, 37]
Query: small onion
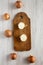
[8, 33]
[18, 4]
[31, 59]
[13, 56]
[6, 16]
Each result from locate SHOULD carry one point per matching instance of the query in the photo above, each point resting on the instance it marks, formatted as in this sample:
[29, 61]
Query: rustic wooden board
[18, 44]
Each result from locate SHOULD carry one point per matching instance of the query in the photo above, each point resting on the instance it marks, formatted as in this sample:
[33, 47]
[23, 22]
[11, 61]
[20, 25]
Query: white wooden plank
[34, 9]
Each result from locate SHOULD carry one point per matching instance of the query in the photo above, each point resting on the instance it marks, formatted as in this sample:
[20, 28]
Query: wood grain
[18, 44]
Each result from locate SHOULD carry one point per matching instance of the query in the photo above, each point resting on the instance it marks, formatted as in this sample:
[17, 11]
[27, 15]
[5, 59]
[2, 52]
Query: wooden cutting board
[18, 44]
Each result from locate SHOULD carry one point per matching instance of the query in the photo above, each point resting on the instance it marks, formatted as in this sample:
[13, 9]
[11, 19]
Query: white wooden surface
[34, 9]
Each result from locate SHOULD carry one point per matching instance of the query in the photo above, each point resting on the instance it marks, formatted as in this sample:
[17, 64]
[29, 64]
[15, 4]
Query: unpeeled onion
[8, 33]
[18, 4]
[31, 59]
[13, 56]
[6, 16]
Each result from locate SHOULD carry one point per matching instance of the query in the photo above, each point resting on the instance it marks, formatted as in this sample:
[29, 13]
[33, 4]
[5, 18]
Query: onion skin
[31, 59]
[6, 16]
[18, 4]
[8, 33]
[13, 56]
